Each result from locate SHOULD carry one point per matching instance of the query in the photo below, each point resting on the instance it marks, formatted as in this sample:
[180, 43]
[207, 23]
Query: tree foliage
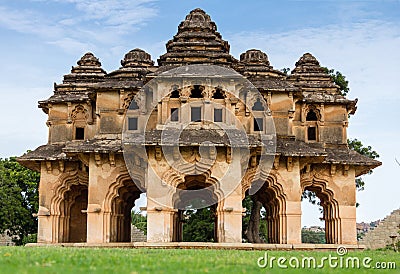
[199, 225]
[18, 199]
[357, 145]
[312, 237]
[139, 221]
[339, 80]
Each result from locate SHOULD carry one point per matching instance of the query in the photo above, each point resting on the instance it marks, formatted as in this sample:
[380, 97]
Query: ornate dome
[137, 58]
[89, 60]
[135, 65]
[88, 70]
[197, 42]
[311, 76]
[255, 63]
[254, 56]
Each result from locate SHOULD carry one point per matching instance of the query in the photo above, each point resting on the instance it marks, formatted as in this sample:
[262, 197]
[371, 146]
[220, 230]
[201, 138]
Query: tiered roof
[310, 76]
[197, 42]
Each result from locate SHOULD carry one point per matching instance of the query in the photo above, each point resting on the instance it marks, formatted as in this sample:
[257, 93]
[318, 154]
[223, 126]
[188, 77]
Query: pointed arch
[71, 196]
[319, 184]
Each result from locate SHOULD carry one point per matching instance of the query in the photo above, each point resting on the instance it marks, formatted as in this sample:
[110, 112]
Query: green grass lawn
[95, 260]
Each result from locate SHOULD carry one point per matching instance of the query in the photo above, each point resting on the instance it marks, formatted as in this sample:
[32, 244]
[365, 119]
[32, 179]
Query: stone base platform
[204, 245]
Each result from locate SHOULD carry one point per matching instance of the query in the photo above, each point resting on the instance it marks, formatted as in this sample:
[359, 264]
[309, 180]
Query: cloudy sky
[42, 39]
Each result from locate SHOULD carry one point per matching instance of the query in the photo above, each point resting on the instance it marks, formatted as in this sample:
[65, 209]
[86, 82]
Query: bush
[31, 238]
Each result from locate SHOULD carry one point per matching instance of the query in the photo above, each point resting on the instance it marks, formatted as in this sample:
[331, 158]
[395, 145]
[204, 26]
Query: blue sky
[42, 39]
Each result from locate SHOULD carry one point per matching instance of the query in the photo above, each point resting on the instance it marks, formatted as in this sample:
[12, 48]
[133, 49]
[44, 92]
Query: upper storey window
[195, 114]
[132, 123]
[133, 105]
[312, 119]
[218, 94]
[175, 94]
[174, 114]
[79, 133]
[258, 124]
[258, 106]
[217, 115]
[196, 92]
[311, 116]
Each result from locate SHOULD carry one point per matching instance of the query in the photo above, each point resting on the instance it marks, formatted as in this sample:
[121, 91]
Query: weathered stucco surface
[86, 193]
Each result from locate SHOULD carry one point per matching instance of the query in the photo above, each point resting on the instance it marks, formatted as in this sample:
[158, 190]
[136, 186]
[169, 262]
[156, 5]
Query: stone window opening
[133, 105]
[174, 115]
[218, 115]
[258, 106]
[79, 133]
[218, 94]
[175, 94]
[196, 92]
[312, 133]
[258, 124]
[132, 123]
[311, 116]
[195, 114]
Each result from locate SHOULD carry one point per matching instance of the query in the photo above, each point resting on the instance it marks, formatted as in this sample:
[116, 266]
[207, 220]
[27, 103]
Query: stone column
[160, 213]
[290, 217]
[293, 222]
[230, 208]
[46, 224]
[346, 198]
[94, 215]
[347, 233]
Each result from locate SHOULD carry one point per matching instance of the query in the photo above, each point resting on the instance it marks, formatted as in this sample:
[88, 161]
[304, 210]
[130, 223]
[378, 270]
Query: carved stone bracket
[97, 158]
[111, 157]
[61, 166]
[158, 153]
[333, 169]
[229, 155]
[289, 164]
[346, 170]
[48, 167]
[276, 162]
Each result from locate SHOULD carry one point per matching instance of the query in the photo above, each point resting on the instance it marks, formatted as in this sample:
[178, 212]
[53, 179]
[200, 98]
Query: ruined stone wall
[380, 236]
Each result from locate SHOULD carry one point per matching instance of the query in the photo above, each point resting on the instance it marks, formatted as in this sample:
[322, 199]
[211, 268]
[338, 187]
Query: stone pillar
[347, 233]
[230, 208]
[293, 222]
[95, 233]
[160, 213]
[346, 197]
[46, 229]
[290, 217]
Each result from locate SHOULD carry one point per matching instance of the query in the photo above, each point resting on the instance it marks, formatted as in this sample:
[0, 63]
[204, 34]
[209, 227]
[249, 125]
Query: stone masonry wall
[137, 235]
[379, 237]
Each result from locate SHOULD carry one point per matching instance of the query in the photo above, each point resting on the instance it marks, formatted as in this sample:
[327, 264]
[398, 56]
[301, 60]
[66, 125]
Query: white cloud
[103, 22]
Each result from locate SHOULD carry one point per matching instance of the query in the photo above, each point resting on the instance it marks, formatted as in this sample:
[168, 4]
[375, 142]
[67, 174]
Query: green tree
[18, 199]
[356, 145]
[312, 237]
[139, 221]
[199, 225]
[339, 80]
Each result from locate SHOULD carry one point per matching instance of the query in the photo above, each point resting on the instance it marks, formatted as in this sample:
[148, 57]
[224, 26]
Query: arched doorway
[266, 213]
[123, 197]
[196, 217]
[73, 217]
[317, 190]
